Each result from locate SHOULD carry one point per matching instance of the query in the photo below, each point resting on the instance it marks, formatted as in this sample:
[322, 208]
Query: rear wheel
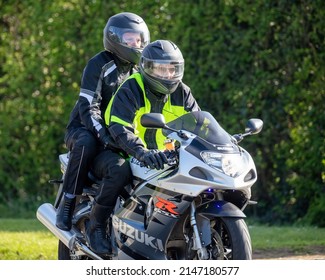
[63, 252]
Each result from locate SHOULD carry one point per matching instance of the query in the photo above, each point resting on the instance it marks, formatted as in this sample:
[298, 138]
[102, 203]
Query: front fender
[220, 208]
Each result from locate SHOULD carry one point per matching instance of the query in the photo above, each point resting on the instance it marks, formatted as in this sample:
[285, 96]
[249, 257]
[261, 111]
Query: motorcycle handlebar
[171, 158]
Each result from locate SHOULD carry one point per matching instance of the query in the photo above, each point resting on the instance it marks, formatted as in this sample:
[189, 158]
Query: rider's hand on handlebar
[154, 159]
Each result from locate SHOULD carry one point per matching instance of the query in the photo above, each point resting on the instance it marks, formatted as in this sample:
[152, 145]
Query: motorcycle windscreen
[202, 124]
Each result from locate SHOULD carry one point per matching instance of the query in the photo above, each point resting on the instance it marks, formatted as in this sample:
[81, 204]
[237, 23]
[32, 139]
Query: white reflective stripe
[87, 96]
[110, 70]
[97, 125]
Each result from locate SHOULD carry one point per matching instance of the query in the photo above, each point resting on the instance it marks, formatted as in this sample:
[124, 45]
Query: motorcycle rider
[124, 37]
[156, 88]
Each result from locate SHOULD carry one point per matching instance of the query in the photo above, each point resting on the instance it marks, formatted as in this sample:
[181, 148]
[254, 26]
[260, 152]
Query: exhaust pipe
[46, 214]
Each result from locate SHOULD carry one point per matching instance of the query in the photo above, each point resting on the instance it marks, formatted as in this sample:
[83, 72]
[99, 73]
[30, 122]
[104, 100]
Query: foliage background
[243, 59]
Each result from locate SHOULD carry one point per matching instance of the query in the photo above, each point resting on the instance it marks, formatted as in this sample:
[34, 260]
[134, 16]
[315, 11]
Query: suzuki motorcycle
[190, 210]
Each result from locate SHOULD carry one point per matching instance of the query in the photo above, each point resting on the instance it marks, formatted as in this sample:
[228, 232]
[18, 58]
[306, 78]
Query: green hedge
[243, 59]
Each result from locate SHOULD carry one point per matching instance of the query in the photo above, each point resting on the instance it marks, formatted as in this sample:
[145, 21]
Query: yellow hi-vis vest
[170, 112]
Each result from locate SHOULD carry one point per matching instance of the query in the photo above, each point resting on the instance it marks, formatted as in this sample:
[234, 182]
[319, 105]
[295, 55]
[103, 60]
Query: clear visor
[164, 69]
[129, 37]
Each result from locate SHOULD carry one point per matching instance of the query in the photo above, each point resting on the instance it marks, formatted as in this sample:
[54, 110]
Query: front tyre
[235, 238]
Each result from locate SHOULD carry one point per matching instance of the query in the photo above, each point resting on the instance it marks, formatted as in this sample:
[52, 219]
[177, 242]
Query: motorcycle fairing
[198, 145]
[148, 237]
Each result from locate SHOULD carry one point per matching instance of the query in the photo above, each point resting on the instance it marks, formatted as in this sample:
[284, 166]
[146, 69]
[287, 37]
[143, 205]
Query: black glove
[103, 137]
[152, 158]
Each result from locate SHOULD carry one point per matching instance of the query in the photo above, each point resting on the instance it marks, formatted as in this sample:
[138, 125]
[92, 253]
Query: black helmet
[162, 66]
[118, 31]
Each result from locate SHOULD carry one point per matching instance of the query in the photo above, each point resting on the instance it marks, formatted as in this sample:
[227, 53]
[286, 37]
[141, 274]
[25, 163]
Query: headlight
[230, 164]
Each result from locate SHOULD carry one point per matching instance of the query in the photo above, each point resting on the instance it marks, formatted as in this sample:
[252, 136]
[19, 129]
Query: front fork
[197, 242]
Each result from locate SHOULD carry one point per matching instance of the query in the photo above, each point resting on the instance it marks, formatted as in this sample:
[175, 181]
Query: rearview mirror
[153, 120]
[254, 126]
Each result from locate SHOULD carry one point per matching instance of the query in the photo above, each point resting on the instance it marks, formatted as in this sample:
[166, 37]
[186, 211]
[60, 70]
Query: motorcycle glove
[153, 158]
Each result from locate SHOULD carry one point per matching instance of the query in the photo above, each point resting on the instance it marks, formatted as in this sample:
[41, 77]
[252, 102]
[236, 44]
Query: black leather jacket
[103, 74]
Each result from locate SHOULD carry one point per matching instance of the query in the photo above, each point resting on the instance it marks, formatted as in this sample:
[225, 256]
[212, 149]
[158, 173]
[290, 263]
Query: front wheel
[235, 238]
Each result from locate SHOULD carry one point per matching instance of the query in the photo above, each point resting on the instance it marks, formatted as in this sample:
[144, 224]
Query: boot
[65, 212]
[96, 235]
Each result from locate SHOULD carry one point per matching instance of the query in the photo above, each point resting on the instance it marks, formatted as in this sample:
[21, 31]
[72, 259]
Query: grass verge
[26, 239]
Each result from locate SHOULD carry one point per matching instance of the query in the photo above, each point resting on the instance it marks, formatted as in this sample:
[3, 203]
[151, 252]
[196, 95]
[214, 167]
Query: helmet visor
[164, 69]
[129, 37]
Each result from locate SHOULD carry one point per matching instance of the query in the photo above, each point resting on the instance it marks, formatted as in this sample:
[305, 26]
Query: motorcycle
[190, 210]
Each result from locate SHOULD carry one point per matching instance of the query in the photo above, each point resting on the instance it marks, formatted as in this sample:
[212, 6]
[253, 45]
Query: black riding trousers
[115, 172]
[83, 147]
